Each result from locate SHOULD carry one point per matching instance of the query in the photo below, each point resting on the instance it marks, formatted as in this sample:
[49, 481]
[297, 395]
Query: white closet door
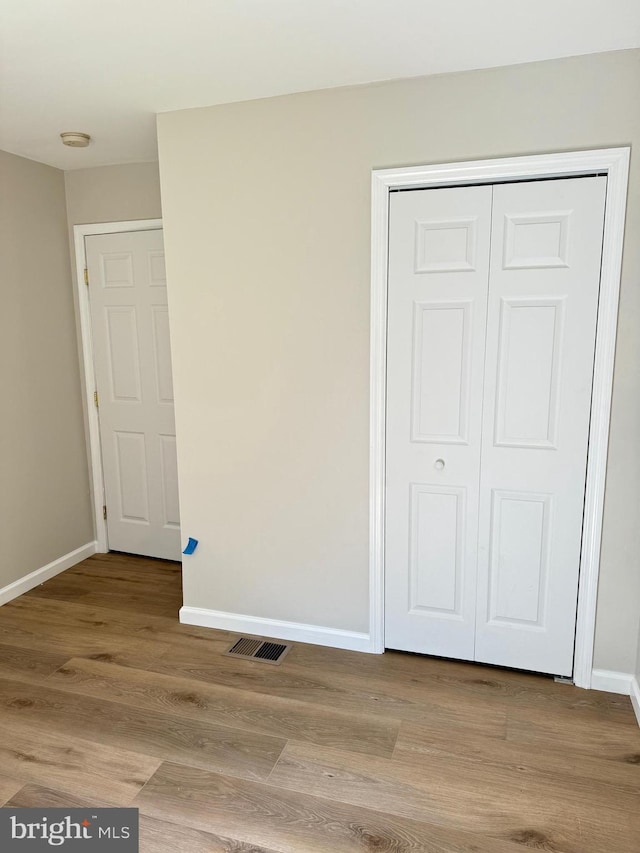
[543, 298]
[438, 272]
[132, 357]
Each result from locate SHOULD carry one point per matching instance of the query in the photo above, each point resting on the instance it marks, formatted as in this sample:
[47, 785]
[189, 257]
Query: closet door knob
[439, 464]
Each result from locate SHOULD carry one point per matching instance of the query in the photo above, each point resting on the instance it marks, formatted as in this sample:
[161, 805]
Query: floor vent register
[252, 648]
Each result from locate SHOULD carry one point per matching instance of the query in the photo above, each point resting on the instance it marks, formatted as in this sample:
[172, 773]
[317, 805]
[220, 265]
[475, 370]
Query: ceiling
[107, 68]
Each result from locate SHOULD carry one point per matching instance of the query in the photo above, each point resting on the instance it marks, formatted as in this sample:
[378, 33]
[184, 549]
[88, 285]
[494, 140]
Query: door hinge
[104, 512]
[95, 398]
[86, 276]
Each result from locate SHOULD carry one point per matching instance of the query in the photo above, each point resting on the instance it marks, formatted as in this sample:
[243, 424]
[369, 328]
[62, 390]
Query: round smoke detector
[74, 139]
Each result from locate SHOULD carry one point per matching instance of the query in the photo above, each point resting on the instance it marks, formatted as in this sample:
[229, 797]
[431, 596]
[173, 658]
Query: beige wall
[113, 193]
[44, 491]
[267, 207]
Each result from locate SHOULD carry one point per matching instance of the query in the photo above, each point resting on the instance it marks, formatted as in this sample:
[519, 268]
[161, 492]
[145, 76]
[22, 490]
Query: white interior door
[132, 357]
[543, 301]
[492, 308]
[438, 273]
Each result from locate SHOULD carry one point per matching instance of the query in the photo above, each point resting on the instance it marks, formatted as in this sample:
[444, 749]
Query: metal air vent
[252, 648]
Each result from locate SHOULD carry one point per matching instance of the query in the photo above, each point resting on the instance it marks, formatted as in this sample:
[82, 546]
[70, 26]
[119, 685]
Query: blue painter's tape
[192, 544]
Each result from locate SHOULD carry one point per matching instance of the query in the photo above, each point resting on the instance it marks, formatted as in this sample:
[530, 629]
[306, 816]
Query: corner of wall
[635, 697]
[45, 573]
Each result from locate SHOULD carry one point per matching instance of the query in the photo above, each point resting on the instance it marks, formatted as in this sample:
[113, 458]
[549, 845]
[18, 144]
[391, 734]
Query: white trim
[236, 622]
[618, 682]
[377, 431]
[614, 162]
[635, 697]
[611, 681]
[79, 233]
[33, 579]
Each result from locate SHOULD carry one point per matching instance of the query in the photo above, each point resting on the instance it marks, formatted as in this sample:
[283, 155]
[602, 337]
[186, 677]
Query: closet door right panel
[543, 301]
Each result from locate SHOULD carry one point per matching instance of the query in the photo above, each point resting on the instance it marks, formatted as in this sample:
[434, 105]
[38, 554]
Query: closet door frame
[612, 162]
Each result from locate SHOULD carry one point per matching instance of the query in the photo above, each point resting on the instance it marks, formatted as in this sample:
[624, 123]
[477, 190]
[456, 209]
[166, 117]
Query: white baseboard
[33, 579]
[635, 697]
[276, 629]
[611, 681]
[618, 682]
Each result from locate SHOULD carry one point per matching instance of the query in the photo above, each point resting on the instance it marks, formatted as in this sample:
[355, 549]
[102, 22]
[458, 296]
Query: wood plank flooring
[105, 699]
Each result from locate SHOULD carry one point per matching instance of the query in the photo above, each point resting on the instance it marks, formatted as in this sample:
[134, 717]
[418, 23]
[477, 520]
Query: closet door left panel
[438, 284]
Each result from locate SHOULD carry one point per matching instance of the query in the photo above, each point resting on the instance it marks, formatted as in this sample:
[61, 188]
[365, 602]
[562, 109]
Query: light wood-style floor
[105, 699]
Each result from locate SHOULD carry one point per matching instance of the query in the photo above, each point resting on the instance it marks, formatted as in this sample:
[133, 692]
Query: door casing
[84, 316]
[612, 162]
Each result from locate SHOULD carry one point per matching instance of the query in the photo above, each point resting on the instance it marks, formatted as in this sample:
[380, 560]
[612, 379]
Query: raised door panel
[529, 363]
[170, 503]
[519, 558]
[157, 270]
[436, 523]
[441, 367]
[116, 270]
[445, 245]
[131, 469]
[536, 240]
[162, 354]
[123, 353]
